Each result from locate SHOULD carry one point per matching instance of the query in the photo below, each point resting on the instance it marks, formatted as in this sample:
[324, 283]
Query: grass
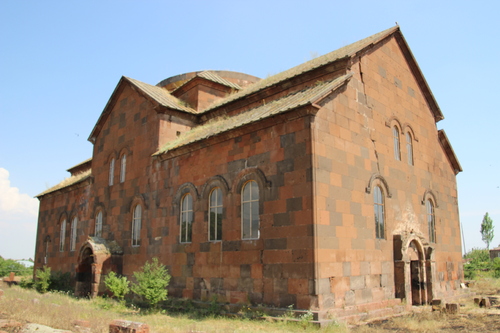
[58, 310]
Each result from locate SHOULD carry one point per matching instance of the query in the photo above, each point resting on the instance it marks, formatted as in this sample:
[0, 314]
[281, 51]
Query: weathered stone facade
[318, 141]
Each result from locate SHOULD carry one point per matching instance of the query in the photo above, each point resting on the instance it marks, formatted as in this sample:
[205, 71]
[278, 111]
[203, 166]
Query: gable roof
[153, 93]
[309, 95]
[75, 179]
[211, 76]
[345, 52]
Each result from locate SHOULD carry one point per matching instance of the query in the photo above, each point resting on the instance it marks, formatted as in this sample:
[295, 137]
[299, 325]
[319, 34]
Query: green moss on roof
[68, 182]
[343, 52]
[223, 124]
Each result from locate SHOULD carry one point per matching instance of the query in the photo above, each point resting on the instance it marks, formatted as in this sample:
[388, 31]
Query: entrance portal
[84, 274]
[413, 269]
[97, 256]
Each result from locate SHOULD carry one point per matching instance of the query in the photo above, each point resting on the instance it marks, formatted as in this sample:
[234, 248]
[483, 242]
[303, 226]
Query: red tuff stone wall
[353, 142]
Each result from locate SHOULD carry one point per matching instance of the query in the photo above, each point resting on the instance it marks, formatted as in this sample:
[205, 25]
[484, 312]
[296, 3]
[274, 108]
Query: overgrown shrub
[27, 283]
[117, 285]
[495, 266]
[42, 281]
[60, 281]
[152, 282]
[478, 260]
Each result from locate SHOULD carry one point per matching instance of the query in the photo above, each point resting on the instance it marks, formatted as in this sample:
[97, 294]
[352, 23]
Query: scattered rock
[35, 328]
[126, 326]
[485, 302]
[437, 305]
[452, 308]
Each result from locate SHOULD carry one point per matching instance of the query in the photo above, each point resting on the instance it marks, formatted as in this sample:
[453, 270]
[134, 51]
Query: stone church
[326, 187]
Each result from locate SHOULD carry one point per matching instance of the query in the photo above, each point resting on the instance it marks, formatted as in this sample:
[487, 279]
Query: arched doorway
[84, 273]
[97, 256]
[412, 269]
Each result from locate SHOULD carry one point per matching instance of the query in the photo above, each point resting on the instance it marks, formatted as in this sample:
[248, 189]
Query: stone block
[126, 326]
[452, 308]
[437, 305]
[485, 302]
[357, 282]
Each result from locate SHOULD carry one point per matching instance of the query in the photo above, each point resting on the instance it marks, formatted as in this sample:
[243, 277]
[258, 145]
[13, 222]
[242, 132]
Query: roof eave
[450, 153]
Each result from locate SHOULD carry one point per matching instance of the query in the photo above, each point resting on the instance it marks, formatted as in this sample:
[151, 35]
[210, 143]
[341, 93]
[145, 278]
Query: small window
[431, 221]
[250, 211]
[378, 207]
[397, 149]
[98, 224]
[409, 148]
[215, 215]
[136, 226]
[111, 172]
[123, 168]
[74, 228]
[62, 236]
[186, 218]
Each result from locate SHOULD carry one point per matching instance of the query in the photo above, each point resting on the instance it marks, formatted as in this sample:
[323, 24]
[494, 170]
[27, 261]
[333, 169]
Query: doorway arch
[413, 268]
[97, 256]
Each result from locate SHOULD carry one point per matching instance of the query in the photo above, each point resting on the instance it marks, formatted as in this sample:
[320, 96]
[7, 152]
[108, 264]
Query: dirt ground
[470, 319]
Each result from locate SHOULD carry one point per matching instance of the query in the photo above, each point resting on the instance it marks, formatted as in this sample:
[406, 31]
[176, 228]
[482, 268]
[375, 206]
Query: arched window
[250, 211]
[186, 218]
[98, 224]
[111, 172]
[136, 226]
[62, 236]
[409, 148]
[123, 168]
[72, 240]
[215, 215]
[378, 207]
[397, 148]
[431, 220]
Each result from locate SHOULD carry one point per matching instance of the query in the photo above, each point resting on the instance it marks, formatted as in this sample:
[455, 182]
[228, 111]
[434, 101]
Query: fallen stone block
[126, 326]
[485, 302]
[477, 300]
[452, 308]
[437, 305]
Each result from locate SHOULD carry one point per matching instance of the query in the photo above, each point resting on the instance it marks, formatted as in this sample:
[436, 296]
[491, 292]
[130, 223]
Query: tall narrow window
[72, 240]
[250, 211]
[136, 226]
[123, 168]
[378, 207]
[46, 256]
[98, 225]
[409, 148]
[397, 149]
[215, 215]
[111, 172]
[431, 221]
[62, 236]
[186, 218]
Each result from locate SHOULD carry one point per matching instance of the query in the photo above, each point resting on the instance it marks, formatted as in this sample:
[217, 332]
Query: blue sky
[61, 60]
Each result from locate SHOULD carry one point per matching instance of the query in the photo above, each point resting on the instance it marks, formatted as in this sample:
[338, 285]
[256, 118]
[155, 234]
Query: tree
[152, 282]
[487, 230]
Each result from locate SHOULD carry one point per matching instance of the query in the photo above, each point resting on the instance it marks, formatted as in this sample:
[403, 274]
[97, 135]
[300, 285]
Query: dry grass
[60, 311]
